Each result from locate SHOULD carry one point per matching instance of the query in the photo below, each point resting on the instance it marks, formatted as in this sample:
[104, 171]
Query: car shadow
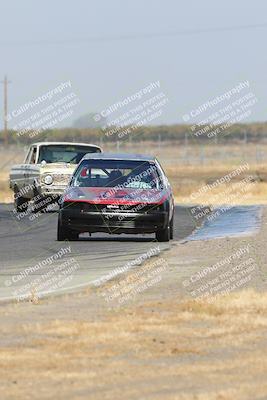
[115, 239]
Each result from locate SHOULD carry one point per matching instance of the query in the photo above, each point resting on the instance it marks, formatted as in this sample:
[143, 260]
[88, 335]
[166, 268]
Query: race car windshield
[121, 174]
[64, 154]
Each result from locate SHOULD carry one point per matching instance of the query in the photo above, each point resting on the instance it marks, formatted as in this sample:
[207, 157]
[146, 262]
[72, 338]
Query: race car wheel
[171, 228]
[164, 235]
[64, 233]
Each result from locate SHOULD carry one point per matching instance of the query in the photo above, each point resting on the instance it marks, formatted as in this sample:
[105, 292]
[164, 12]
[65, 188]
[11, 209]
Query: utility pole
[5, 82]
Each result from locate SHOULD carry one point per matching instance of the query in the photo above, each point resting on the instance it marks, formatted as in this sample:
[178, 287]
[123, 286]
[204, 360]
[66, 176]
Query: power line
[95, 39]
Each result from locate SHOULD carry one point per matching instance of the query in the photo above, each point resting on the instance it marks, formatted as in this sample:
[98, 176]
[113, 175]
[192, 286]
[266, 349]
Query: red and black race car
[117, 193]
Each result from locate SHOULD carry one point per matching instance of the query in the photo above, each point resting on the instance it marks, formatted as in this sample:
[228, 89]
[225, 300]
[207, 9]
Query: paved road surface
[25, 243]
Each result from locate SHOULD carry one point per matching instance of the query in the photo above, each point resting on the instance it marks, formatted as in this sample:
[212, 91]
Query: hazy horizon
[111, 50]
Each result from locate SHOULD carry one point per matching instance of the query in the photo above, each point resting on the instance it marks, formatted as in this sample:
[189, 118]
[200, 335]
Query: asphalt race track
[26, 243]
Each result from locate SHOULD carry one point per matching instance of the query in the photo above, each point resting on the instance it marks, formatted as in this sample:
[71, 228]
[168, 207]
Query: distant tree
[256, 132]
[90, 120]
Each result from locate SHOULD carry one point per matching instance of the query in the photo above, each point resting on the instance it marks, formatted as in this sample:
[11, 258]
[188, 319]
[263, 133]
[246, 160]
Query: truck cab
[46, 171]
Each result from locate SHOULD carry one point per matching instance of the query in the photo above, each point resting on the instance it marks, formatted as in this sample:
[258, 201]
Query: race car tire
[164, 235]
[63, 233]
[171, 228]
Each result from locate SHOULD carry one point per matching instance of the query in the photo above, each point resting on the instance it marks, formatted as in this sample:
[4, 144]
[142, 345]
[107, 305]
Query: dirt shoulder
[148, 334]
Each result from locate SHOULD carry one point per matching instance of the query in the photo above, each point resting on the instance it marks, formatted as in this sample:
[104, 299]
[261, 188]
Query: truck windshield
[120, 174]
[65, 154]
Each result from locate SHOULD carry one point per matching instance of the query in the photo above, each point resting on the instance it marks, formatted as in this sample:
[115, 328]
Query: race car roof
[119, 156]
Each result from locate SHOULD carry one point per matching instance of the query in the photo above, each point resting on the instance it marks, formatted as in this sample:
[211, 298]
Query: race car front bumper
[113, 222]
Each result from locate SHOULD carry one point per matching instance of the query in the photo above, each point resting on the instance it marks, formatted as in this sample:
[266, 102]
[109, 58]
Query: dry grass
[187, 168]
[8, 157]
[187, 180]
[185, 350]
[6, 195]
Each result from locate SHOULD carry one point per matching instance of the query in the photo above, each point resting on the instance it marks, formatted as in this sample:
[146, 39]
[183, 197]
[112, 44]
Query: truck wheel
[64, 233]
[163, 235]
[37, 204]
[20, 203]
[37, 198]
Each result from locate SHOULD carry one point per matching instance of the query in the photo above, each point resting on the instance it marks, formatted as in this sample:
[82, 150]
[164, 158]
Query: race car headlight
[48, 179]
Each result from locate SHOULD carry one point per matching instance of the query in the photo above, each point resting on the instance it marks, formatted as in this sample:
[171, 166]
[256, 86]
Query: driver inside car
[114, 177]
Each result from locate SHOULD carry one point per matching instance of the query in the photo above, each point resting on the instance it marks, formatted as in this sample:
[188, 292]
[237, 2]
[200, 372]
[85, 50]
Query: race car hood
[116, 196]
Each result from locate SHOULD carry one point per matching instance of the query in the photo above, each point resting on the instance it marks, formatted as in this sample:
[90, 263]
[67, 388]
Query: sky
[110, 49]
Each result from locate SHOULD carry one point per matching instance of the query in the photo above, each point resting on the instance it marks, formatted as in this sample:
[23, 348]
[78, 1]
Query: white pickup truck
[46, 171]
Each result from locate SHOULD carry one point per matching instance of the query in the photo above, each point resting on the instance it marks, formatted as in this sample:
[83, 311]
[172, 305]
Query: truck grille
[61, 179]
